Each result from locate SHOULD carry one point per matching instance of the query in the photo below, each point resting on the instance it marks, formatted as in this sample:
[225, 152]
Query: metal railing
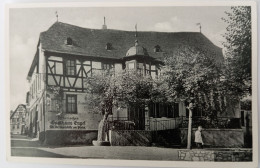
[164, 124]
[122, 123]
[154, 124]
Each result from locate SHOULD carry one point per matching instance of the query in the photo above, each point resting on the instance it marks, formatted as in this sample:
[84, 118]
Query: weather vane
[198, 24]
[57, 16]
[136, 30]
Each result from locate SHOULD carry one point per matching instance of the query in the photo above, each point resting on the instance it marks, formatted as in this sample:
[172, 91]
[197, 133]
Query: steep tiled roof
[92, 42]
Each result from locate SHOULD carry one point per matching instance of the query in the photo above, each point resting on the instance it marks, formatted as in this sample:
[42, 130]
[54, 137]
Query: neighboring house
[17, 120]
[67, 55]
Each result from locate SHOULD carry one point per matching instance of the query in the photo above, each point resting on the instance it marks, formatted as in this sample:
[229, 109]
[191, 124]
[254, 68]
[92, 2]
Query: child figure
[198, 138]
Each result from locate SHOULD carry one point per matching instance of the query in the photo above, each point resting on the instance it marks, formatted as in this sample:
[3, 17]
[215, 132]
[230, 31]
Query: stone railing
[216, 155]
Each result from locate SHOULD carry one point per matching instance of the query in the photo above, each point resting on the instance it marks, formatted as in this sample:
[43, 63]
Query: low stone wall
[211, 155]
[216, 137]
[66, 137]
[130, 138]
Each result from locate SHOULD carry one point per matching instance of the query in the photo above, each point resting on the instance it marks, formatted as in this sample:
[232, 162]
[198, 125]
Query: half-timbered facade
[67, 55]
[18, 121]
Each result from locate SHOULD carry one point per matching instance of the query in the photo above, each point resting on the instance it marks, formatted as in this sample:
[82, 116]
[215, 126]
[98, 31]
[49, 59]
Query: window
[147, 69]
[18, 126]
[13, 126]
[108, 46]
[140, 68]
[69, 41]
[158, 110]
[71, 101]
[157, 48]
[70, 67]
[23, 119]
[17, 119]
[107, 66]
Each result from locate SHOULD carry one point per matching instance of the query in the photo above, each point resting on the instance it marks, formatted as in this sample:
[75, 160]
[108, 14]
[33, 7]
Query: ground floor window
[158, 110]
[71, 102]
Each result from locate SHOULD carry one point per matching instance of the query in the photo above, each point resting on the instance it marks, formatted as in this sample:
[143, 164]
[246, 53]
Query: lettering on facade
[75, 125]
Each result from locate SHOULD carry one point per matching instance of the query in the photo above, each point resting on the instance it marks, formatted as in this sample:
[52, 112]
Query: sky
[25, 25]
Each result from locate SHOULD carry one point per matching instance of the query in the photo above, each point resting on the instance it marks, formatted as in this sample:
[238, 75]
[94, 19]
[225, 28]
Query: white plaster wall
[118, 67]
[83, 120]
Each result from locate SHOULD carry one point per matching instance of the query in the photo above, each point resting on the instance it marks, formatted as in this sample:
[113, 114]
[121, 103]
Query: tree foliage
[238, 49]
[106, 91]
[192, 73]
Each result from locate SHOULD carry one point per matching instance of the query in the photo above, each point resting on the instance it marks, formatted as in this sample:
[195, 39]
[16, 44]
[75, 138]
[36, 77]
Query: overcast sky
[26, 25]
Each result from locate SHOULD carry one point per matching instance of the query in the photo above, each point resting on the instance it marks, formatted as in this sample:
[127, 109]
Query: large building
[67, 55]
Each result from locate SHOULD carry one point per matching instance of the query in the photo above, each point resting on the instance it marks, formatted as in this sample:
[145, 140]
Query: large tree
[193, 74]
[238, 49]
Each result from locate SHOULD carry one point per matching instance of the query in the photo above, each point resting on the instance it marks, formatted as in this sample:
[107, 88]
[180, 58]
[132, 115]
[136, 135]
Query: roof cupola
[137, 50]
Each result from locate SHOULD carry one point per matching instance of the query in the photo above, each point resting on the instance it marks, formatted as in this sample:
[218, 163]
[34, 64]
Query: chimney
[104, 27]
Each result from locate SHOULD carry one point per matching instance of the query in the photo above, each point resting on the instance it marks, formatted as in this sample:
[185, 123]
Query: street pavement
[27, 147]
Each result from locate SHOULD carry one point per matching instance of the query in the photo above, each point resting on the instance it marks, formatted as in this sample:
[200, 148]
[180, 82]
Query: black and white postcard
[132, 84]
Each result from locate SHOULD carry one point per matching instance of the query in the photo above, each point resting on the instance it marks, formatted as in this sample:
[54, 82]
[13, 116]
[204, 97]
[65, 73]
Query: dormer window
[157, 48]
[69, 41]
[108, 46]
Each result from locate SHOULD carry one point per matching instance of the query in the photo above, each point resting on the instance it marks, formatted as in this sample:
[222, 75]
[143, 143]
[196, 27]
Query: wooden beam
[53, 75]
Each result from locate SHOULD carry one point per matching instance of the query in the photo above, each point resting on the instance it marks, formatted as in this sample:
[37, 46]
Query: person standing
[198, 138]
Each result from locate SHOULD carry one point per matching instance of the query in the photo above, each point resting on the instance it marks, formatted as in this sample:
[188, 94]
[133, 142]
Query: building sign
[67, 123]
